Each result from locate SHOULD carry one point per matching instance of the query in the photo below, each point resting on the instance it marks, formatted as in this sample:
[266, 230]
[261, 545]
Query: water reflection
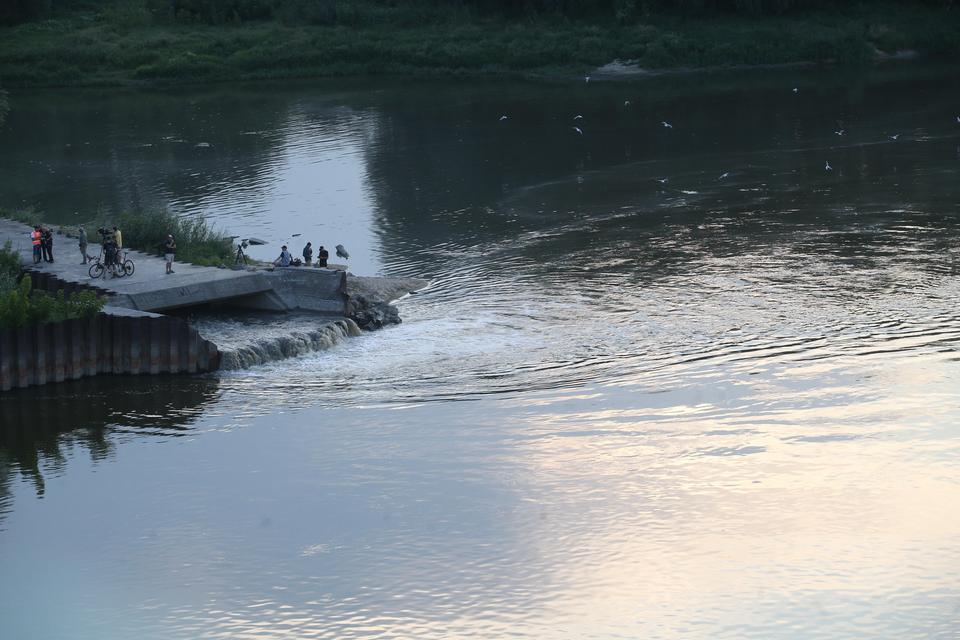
[41, 428]
[410, 175]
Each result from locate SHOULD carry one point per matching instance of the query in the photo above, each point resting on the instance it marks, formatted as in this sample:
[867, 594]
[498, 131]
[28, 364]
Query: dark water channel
[667, 382]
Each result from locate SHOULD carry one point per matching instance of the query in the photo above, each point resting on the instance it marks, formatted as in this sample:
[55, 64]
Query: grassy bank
[128, 46]
[197, 241]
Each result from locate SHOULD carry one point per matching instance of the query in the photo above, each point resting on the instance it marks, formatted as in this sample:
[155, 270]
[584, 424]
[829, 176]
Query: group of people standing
[112, 242]
[286, 259]
[42, 239]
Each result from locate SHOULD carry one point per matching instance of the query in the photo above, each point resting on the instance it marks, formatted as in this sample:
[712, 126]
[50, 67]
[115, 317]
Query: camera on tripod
[241, 257]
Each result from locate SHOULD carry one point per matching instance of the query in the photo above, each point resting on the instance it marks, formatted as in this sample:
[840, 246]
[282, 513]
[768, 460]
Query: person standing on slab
[36, 237]
[169, 251]
[322, 256]
[46, 243]
[83, 245]
[308, 254]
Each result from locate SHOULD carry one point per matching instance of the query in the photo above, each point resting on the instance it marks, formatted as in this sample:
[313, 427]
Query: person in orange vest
[35, 237]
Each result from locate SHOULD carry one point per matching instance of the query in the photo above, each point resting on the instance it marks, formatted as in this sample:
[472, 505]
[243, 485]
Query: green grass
[197, 241]
[115, 48]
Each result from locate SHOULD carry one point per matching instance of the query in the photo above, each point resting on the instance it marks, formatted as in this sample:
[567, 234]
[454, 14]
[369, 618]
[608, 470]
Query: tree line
[334, 11]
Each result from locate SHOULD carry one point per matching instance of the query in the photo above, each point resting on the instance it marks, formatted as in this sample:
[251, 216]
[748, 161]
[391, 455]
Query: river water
[666, 382]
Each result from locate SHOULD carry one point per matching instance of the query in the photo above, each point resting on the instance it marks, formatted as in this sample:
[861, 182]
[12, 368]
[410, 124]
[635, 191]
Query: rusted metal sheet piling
[108, 343]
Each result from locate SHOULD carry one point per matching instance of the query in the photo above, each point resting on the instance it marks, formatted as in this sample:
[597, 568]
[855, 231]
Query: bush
[9, 263]
[197, 241]
[15, 305]
[20, 306]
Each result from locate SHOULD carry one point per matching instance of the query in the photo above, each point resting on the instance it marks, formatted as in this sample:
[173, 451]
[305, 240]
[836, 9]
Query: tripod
[241, 256]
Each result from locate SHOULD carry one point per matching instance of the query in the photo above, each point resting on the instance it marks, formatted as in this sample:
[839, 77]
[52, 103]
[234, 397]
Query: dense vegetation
[197, 241]
[19, 306]
[146, 231]
[368, 11]
[60, 42]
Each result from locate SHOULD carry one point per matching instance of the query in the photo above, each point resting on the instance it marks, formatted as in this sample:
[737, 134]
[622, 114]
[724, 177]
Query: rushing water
[665, 383]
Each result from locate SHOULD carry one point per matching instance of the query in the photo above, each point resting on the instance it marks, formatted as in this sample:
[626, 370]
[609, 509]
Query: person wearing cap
[169, 252]
[285, 258]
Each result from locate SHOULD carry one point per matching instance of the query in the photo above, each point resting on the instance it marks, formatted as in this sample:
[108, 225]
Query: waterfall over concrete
[292, 345]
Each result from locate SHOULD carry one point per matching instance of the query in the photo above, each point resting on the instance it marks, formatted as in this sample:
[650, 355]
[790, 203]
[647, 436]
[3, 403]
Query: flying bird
[578, 117]
[724, 176]
[586, 78]
[502, 118]
[626, 103]
[895, 136]
[666, 125]
[840, 132]
[296, 235]
[795, 90]
[827, 166]
[578, 130]
[958, 119]
[342, 253]
[662, 180]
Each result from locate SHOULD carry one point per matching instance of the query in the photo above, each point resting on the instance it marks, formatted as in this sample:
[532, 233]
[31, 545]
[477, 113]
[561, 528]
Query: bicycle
[122, 266]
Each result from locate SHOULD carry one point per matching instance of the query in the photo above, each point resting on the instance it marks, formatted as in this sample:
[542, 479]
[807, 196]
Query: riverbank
[113, 48]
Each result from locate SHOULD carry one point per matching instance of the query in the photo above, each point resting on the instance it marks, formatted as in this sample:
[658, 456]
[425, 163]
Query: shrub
[15, 305]
[197, 241]
[9, 264]
[20, 306]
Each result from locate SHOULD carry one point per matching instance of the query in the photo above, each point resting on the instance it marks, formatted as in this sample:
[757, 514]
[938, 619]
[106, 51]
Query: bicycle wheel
[96, 270]
[128, 267]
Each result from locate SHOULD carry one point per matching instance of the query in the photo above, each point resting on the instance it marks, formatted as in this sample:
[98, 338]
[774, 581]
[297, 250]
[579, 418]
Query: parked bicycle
[120, 266]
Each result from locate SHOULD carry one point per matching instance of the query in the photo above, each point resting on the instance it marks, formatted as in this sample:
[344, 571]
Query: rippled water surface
[666, 382]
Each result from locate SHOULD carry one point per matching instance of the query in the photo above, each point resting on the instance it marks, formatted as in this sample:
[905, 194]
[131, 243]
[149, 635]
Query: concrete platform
[150, 288]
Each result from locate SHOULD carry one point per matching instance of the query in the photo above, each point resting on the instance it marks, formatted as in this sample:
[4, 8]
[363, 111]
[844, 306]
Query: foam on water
[291, 345]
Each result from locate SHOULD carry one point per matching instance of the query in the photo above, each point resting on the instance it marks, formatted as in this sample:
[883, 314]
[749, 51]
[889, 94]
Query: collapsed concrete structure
[150, 291]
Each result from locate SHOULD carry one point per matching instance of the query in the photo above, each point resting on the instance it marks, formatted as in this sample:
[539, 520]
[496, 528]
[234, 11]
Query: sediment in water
[292, 345]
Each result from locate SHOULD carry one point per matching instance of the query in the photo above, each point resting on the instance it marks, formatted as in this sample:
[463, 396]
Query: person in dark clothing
[322, 256]
[110, 250]
[308, 254]
[46, 244]
[82, 243]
